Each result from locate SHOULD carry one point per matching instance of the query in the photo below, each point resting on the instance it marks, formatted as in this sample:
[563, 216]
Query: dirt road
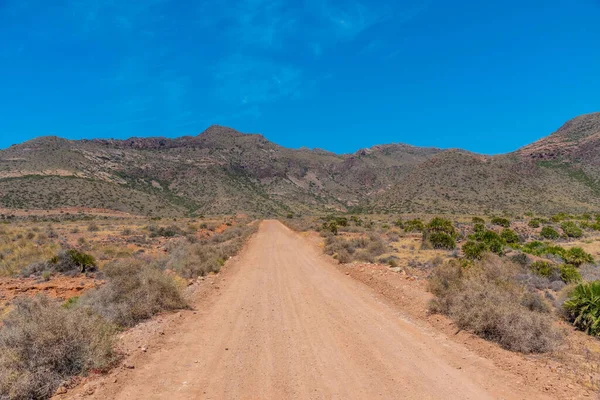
[288, 325]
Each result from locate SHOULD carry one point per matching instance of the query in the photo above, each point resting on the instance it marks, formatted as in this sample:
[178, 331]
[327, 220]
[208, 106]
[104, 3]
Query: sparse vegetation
[487, 300]
[503, 222]
[571, 229]
[191, 260]
[549, 233]
[164, 231]
[43, 344]
[134, 291]
[364, 248]
[413, 225]
[546, 269]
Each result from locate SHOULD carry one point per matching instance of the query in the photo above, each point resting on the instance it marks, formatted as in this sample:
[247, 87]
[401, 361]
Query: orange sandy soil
[60, 287]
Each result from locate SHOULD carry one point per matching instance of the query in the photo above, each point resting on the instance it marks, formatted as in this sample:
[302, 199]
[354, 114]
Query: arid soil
[62, 287]
[284, 322]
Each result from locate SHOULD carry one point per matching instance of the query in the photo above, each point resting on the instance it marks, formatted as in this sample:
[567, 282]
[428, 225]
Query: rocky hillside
[224, 171]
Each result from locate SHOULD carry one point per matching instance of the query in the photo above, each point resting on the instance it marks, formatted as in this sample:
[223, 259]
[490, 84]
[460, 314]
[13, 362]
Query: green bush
[571, 229]
[43, 344]
[440, 233]
[577, 256]
[583, 307]
[509, 236]
[474, 250]
[555, 250]
[165, 231]
[549, 233]
[534, 223]
[559, 217]
[479, 228]
[441, 225]
[66, 261]
[441, 240]
[569, 273]
[503, 222]
[493, 241]
[490, 236]
[414, 225]
[478, 220]
[330, 227]
[357, 221]
[545, 269]
[82, 260]
[534, 247]
[541, 249]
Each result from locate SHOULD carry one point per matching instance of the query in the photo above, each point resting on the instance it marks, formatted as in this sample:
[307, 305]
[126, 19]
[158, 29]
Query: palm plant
[583, 307]
[577, 256]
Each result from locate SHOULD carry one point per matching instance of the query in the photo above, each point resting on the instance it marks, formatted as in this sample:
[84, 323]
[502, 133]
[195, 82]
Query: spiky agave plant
[583, 307]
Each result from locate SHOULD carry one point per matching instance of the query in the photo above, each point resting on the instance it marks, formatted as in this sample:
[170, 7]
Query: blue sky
[488, 76]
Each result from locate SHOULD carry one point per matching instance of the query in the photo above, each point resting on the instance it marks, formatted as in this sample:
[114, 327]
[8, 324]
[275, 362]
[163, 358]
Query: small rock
[129, 366]
[61, 390]
[90, 390]
[144, 349]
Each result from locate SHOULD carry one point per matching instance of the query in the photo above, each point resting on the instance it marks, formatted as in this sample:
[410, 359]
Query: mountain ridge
[223, 170]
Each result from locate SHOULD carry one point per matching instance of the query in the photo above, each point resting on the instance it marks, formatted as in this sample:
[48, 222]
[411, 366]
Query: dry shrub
[43, 344]
[487, 300]
[300, 224]
[363, 248]
[590, 272]
[191, 260]
[134, 291]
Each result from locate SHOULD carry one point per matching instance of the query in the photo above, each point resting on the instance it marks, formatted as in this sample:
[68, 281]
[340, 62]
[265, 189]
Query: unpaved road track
[289, 325]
